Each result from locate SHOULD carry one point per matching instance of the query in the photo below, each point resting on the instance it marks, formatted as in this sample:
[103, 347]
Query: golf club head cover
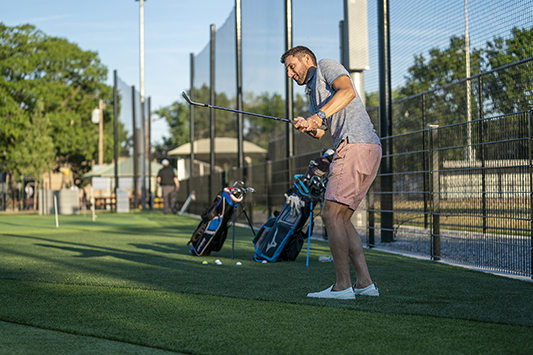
[320, 166]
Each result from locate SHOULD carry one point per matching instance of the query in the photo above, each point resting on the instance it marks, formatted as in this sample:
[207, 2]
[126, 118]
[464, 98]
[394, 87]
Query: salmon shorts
[352, 171]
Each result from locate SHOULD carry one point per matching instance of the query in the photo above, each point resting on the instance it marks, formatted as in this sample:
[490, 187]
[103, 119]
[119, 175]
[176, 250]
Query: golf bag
[282, 236]
[211, 232]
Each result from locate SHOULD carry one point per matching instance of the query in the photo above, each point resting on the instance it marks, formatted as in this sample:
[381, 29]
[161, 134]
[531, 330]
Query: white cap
[165, 162]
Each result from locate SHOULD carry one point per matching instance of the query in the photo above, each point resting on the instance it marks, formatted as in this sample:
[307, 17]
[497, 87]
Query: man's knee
[331, 211]
[325, 213]
[335, 212]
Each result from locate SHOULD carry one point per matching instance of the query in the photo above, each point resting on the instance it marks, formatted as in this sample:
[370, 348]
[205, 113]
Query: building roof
[125, 168]
[225, 150]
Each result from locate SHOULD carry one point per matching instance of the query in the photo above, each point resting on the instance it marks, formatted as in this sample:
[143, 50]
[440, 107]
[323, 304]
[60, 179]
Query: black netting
[461, 119]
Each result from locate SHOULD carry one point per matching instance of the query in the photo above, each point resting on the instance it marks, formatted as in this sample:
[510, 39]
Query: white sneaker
[371, 290]
[347, 294]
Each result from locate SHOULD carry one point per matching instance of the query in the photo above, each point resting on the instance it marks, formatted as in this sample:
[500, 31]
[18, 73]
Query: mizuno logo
[272, 243]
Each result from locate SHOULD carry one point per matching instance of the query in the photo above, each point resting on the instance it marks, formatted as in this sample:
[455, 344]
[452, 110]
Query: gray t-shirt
[352, 122]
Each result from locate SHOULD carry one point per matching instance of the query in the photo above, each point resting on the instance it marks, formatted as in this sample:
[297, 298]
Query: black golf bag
[211, 232]
[282, 236]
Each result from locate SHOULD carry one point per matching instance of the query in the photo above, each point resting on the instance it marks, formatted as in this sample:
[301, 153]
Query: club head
[250, 189]
[186, 97]
[238, 183]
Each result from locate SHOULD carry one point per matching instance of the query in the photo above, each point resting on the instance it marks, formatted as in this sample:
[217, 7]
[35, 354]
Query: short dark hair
[298, 52]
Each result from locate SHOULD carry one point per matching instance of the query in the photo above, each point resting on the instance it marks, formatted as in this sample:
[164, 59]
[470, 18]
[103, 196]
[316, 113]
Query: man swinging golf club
[336, 106]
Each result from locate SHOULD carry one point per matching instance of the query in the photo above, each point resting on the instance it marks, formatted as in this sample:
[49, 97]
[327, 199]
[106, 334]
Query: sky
[172, 30]
[176, 28]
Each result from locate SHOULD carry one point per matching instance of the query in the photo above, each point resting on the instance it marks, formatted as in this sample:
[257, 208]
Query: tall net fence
[418, 32]
[418, 29]
[263, 76]
[461, 87]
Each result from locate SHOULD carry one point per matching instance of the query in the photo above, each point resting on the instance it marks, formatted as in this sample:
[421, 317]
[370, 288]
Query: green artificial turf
[128, 280]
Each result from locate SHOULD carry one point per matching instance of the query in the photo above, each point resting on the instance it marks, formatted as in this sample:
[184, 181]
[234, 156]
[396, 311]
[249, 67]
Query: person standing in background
[169, 185]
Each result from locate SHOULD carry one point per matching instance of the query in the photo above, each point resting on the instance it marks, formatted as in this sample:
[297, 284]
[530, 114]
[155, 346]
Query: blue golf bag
[211, 232]
[282, 236]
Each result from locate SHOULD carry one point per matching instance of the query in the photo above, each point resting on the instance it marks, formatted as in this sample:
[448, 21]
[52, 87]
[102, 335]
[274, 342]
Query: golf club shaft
[188, 99]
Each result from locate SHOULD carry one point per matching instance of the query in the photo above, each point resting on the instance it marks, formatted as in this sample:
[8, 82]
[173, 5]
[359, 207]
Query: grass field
[126, 284]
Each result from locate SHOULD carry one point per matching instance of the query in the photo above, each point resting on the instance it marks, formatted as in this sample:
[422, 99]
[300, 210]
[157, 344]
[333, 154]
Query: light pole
[143, 128]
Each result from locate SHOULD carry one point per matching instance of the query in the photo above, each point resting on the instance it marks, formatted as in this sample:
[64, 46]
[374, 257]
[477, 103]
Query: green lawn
[127, 284]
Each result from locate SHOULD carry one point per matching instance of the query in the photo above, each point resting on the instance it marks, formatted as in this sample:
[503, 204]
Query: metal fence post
[238, 97]
[269, 187]
[482, 156]
[289, 108]
[248, 178]
[371, 227]
[435, 189]
[385, 123]
[530, 134]
[191, 118]
[425, 161]
[135, 150]
[290, 169]
[212, 99]
[115, 135]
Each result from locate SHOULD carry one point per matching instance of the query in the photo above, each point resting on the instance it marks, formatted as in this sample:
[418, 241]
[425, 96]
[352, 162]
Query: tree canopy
[48, 89]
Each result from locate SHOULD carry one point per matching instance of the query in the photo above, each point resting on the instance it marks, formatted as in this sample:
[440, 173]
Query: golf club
[188, 99]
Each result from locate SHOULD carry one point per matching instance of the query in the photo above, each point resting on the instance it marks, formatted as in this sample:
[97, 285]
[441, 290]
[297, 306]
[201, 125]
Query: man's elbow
[351, 94]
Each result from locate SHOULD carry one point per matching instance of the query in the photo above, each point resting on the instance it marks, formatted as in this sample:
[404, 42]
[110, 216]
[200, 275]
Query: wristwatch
[322, 116]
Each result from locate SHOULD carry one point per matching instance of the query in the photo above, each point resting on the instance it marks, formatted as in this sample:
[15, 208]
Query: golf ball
[205, 263]
[238, 263]
[264, 261]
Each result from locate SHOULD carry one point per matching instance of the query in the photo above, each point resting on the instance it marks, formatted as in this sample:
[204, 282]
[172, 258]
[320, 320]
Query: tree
[372, 99]
[255, 129]
[178, 117]
[67, 81]
[261, 130]
[225, 122]
[443, 67]
[510, 90]
[35, 154]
